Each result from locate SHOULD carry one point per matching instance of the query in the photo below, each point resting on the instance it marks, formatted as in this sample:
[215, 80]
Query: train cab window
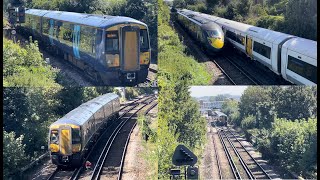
[54, 137]
[262, 49]
[304, 69]
[144, 42]
[112, 42]
[213, 33]
[76, 137]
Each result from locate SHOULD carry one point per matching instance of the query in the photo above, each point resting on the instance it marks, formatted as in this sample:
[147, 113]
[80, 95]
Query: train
[292, 58]
[221, 118]
[72, 136]
[207, 33]
[111, 50]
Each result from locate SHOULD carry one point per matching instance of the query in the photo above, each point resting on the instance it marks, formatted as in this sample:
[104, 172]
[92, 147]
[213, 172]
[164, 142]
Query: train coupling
[131, 76]
[65, 159]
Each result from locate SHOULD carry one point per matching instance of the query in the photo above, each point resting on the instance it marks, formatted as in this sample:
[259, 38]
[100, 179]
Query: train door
[249, 46]
[130, 48]
[65, 140]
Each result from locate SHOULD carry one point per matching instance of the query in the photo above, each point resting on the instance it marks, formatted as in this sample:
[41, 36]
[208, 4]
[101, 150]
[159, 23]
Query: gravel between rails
[225, 167]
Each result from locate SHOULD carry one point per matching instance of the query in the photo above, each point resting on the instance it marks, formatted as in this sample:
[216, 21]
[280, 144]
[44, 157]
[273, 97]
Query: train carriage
[291, 57]
[71, 136]
[111, 49]
[221, 118]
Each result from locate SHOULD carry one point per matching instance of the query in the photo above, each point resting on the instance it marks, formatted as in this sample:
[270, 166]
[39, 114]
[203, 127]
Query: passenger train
[222, 119]
[112, 50]
[293, 58]
[71, 136]
[207, 33]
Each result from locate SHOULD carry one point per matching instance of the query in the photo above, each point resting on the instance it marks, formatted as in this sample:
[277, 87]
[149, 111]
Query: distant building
[205, 105]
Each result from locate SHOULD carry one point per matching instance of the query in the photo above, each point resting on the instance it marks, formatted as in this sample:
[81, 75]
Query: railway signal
[183, 156]
[21, 14]
[192, 173]
[12, 15]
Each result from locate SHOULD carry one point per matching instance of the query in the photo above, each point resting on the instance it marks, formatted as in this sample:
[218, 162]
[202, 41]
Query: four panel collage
[159, 89]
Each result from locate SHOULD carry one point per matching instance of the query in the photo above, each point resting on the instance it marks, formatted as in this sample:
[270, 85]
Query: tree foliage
[282, 123]
[28, 113]
[24, 66]
[14, 156]
[179, 117]
[296, 17]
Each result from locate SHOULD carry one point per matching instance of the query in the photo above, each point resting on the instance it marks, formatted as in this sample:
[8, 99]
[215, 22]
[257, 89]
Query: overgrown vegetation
[24, 66]
[296, 17]
[281, 121]
[179, 120]
[148, 129]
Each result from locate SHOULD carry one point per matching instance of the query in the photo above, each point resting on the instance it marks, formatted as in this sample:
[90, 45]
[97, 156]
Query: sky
[199, 91]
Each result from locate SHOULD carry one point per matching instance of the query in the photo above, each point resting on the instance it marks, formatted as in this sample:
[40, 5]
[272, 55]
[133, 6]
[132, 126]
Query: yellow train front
[72, 136]
[65, 143]
[206, 32]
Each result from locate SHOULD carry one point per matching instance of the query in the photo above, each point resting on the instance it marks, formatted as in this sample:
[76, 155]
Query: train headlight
[112, 60]
[54, 147]
[76, 147]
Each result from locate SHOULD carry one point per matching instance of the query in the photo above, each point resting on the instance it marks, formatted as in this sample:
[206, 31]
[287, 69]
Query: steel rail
[76, 174]
[217, 158]
[127, 142]
[242, 71]
[243, 163]
[230, 160]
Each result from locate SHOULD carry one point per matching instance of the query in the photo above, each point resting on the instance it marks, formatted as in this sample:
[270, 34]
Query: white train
[293, 58]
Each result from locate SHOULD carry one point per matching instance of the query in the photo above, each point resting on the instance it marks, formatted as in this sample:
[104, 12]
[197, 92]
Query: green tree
[14, 156]
[296, 102]
[250, 98]
[301, 18]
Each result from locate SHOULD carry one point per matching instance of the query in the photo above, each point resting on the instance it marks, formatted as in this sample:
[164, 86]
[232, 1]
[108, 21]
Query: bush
[24, 66]
[248, 122]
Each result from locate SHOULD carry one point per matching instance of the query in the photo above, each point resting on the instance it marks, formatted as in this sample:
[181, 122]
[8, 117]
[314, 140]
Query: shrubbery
[25, 66]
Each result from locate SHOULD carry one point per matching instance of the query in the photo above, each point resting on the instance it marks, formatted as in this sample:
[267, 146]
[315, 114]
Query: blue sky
[199, 91]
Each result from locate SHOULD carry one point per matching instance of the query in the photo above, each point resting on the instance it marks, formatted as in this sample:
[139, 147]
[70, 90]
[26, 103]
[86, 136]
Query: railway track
[61, 174]
[111, 160]
[232, 66]
[241, 162]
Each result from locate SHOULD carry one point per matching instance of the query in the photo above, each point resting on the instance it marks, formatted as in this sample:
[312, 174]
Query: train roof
[258, 32]
[100, 21]
[85, 111]
[304, 46]
[218, 113]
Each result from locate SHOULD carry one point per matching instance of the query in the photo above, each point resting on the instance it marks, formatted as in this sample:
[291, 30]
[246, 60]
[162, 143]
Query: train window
[54, 137]
[262, 49]
[213, 33]
[65, 34]
[76, 136]
[304, 69]
[240, 39]
[87, 42]
[58, 28]
[231, 35]
[144, 42]
[45, 26]
[112, 41]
